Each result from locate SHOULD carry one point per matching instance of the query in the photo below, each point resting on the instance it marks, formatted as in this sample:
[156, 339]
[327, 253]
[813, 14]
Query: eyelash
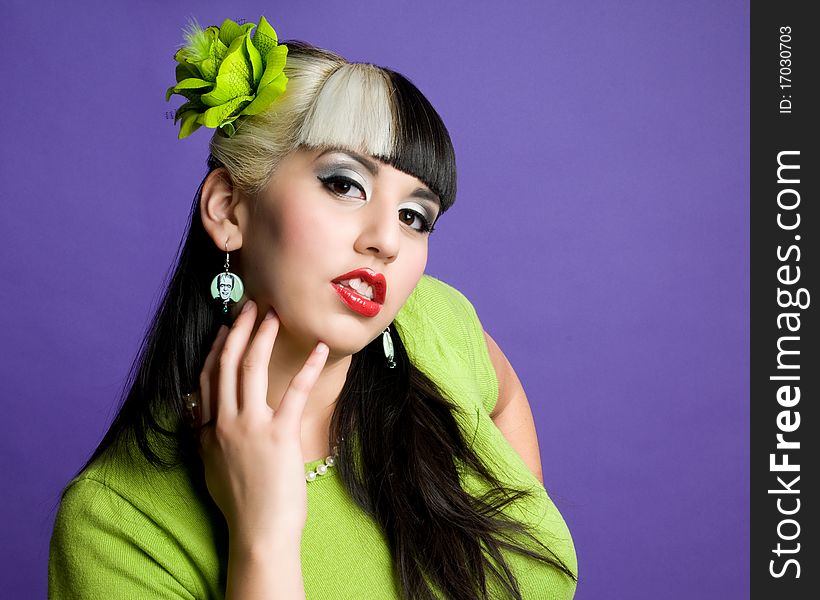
[329, 181]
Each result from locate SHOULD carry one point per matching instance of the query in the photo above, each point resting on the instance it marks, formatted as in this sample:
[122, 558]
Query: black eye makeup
[420, 220]
[343, 179]
[342, 185]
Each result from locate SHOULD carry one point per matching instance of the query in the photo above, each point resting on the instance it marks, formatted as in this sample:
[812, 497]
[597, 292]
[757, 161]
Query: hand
[254, 467]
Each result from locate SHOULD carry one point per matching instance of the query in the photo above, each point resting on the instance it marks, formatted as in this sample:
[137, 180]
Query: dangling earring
[387, 343]
[227, 286]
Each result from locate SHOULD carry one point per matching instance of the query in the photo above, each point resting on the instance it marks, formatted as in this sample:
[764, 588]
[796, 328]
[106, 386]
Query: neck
[287, 359]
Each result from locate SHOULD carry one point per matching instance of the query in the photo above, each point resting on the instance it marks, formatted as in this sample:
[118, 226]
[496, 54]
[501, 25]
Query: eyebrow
[430, 198]
[370, 165]
[373, 167]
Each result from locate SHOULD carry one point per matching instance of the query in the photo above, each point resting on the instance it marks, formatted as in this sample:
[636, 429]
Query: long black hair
[402, 448]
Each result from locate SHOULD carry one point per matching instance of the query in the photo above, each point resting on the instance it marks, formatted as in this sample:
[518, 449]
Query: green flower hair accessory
[224, 73]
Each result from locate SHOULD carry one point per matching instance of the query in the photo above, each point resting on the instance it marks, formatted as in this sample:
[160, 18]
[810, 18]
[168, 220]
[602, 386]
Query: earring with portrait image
[227, 286]
[387, 344]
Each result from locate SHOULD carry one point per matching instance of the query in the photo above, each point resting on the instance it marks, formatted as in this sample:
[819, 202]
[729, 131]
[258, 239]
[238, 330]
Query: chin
[344, 341]
[341, 351]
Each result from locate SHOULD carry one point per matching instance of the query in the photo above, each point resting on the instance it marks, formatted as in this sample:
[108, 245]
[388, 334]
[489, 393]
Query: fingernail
[321, 348]
[269, 315]
[247, 307]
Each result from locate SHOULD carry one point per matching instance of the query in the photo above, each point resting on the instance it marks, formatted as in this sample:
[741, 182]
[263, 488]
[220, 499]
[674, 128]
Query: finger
[208, 377]
[253, 383]
[229, 358]
[295, 398]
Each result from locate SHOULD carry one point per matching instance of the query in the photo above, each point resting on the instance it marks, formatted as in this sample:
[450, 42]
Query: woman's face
[324, 214]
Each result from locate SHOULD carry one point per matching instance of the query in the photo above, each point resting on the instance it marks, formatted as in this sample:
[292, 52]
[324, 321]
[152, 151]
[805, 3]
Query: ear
[221, 210]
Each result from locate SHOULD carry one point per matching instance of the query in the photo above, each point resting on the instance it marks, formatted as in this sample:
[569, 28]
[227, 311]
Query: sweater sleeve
[478, 352]
[104, 547]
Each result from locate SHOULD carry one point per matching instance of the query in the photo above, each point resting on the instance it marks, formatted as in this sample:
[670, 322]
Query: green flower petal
[193, 83]
[274, 63]
[228, 129]
[208, 68]
[188, 85]
[264, 38]
[255, 60]
[219, 51]
[224, 73]
[193, 95]
[266, 96]
[185, 70]
[230, 30]
[215, 116]
[234, 78]
[189, 124]
[191, 105]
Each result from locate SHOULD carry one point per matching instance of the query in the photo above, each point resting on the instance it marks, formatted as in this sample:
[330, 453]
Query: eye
[415, 220]
[343, 186]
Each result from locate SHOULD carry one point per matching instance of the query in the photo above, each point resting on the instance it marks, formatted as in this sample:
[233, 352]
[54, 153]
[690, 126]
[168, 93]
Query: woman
[308, 238]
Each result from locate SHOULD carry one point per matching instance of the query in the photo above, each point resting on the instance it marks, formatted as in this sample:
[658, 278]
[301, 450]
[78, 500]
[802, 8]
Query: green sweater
[128, 530]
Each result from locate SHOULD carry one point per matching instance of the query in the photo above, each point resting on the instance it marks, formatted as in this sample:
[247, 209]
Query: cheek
[306, 233]
[291, 231]
[406, 277]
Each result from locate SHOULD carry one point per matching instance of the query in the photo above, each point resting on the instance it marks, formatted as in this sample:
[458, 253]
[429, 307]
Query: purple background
[601, 230]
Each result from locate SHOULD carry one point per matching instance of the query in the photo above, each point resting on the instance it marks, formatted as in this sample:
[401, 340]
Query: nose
[380, 231]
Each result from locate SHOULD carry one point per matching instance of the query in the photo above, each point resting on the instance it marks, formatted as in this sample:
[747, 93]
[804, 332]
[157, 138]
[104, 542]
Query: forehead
[382, 115]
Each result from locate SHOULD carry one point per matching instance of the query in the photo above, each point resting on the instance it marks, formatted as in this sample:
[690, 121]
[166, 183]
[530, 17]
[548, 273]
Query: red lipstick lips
[357, 302]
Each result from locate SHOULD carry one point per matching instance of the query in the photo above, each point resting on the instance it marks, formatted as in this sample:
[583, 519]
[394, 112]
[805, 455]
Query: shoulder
[121, 514]
[432, 293]
[100, 533]
[124, 486]
[435, 302]
[93, 514]
[445, 338]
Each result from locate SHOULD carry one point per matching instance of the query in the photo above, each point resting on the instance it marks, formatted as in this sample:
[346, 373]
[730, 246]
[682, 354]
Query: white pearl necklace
[321, 468]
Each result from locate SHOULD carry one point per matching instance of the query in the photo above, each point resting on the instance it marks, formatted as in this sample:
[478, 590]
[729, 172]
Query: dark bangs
[422, 144]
